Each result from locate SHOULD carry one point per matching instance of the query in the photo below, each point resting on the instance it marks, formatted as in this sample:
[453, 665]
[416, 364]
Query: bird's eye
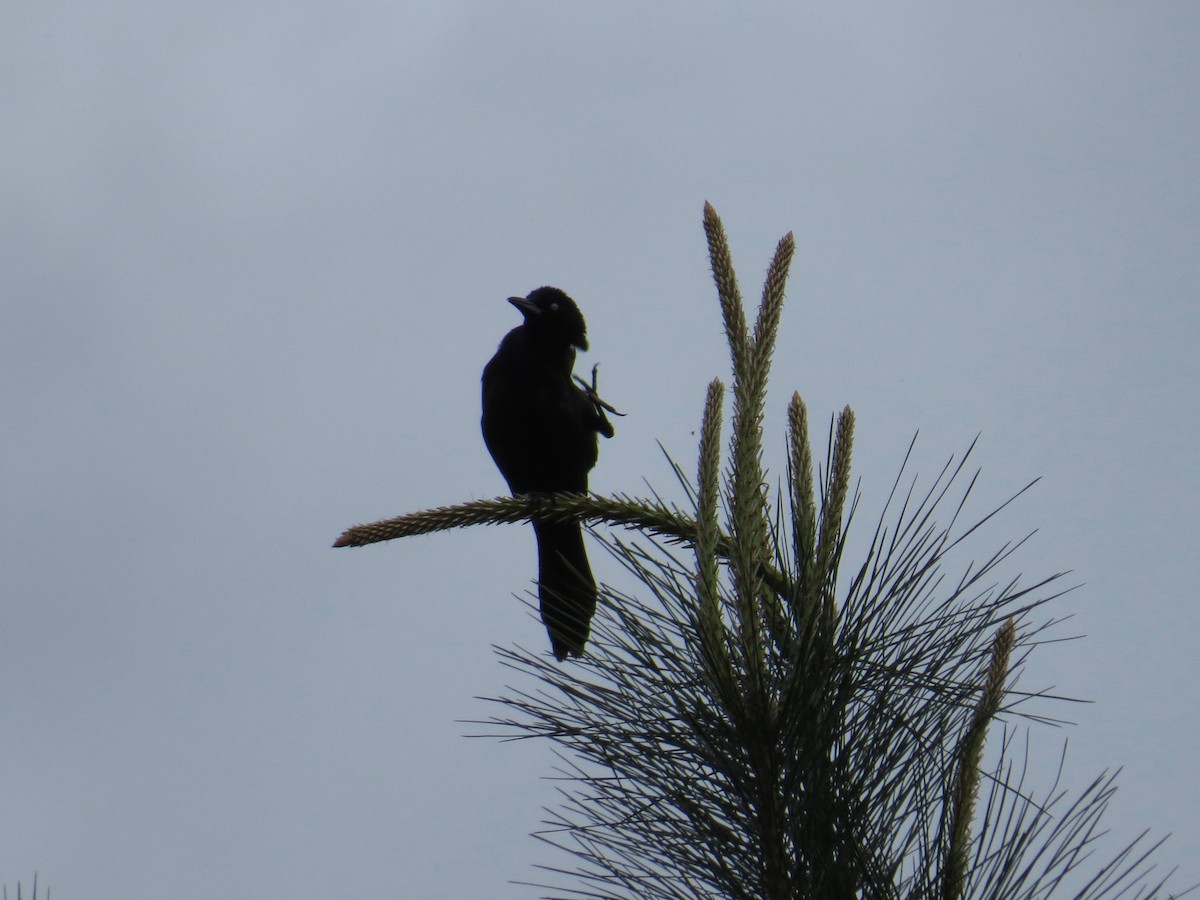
[553, 307]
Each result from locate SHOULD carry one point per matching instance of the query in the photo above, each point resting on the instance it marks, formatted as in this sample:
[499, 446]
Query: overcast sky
[254, 256]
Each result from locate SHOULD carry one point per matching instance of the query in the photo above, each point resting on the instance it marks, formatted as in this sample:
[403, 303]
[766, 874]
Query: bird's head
[552, 315]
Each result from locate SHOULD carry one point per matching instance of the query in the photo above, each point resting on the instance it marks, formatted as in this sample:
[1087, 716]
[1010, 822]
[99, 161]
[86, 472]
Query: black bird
[541, 428]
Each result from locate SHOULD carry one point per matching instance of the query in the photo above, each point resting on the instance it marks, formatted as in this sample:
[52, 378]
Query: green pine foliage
[765, 718]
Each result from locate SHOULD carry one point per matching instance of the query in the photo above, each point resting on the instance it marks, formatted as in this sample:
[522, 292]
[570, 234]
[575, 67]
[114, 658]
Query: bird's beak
[526, 307]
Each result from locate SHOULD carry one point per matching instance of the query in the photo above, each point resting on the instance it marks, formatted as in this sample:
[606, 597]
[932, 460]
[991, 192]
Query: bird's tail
[566, 588]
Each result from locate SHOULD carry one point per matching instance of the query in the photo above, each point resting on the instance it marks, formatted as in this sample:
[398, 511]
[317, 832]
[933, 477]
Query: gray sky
[255, 255]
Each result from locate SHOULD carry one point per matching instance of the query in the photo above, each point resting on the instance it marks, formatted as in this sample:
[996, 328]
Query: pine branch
[747, 726]
[652, 517]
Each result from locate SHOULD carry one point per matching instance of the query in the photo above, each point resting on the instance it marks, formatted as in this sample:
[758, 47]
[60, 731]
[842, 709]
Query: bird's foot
[601, 405]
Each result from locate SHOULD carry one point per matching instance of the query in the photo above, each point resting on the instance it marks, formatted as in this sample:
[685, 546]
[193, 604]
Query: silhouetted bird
[541, 428]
